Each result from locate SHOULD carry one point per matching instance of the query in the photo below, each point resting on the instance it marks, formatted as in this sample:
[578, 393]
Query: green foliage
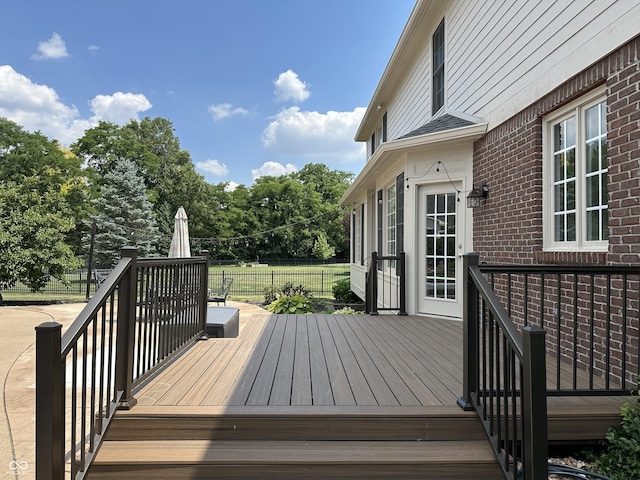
[42, 194]
[621, 457]
[270, 294]
[322, 249]
[342, 292]
[32, 238]
[290, 305]
[289, 289]
[125, 216]
[347, 311]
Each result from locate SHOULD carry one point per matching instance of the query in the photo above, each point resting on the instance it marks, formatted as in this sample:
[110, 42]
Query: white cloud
[52, 48]
[38, 107]
[290, 87]
[93, 48]
[214, 167]
[231, 186]
[273, 169]
[225, 110]
[314, 135]
[120, 107]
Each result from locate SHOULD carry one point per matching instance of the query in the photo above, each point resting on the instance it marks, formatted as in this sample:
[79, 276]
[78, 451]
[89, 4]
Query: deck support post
[49, 402]
[204, 293]
[372, 285]
[403, 285]
[534, 404]
[126, 330]
[469, 333]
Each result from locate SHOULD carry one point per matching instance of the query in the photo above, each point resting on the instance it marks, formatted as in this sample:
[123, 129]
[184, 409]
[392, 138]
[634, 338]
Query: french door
[440, 251]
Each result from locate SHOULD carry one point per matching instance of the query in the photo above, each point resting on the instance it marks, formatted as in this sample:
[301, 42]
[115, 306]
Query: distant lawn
[249, 282]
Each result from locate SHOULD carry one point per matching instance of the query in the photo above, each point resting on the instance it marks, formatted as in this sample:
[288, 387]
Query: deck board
[325, 361]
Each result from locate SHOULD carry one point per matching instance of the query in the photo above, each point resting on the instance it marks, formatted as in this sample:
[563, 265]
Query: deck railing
[144, 313]
[386, 284]
[590, 316]
[504, 378]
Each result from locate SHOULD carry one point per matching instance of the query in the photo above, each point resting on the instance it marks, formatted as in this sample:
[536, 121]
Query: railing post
[204, 286]
[403, 285]
[534, 404]
[49, 403]
[373, 310]
[470, 332]
[126, 330]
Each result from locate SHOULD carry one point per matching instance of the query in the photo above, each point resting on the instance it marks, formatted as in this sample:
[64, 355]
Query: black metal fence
[143, 314]
[250, 281]
[386, 284]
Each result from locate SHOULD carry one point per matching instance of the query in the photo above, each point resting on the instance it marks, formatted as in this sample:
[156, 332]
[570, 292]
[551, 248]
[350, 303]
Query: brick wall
[508, 227]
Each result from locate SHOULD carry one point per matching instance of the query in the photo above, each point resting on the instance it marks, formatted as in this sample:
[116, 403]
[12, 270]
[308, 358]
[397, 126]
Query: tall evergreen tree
[125, 216]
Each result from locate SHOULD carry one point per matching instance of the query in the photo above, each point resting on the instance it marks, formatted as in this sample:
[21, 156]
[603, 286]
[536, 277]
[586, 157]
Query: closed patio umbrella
[180, 242]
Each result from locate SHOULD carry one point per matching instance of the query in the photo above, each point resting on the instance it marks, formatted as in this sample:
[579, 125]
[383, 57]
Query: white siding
[504, 55]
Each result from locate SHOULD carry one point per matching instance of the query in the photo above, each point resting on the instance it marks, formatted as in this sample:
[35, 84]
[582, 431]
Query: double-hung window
[576, 215]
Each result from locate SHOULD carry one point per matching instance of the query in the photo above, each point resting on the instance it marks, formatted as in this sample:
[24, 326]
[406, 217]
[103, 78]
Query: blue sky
[252, 87]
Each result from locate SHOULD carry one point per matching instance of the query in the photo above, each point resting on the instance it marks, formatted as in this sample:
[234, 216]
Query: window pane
[431, 202]
[605, 191]
[593, 225]
[559, 198]
[570, 132]
[570, 160]
[592, 122]
[605, 224]
[593, 191]
[571, 227]
[571, 195]
[593, 156]
[559, 167]
[440, 246]
[430, 245]
[559, 228]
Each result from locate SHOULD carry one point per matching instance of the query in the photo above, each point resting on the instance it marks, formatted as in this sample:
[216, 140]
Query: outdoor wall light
[475, 197]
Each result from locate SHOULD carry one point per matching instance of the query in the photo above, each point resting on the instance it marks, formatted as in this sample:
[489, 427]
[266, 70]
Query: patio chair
[101, 275]
[220, 296]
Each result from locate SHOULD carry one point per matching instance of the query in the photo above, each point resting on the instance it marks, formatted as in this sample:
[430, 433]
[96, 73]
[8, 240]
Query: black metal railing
[590, 316]
[144, 313]
[504, 378]
[386, 284]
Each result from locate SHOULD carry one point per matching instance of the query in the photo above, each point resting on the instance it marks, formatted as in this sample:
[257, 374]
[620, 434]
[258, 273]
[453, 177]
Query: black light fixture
[476, 195]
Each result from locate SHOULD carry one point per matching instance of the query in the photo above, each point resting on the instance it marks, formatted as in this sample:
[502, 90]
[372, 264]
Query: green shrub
[347, 311]
[342, 292]
[621, 456]
[270, 294]
[288, 289]
[291, 304]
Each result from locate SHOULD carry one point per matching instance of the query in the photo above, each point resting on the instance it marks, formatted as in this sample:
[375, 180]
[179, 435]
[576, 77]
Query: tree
[322, 249]
[32, 161]
[125, 216]
[32, 237]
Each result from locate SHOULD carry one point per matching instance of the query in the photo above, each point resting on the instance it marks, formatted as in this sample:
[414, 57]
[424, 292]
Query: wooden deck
[319, 397]
[319, 360]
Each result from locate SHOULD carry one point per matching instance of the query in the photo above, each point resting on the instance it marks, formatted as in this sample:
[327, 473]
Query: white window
[357, 230]
[575, 164]
[391, 222]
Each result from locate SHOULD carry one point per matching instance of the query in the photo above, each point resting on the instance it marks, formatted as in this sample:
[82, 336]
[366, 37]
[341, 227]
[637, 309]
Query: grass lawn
[249, 282]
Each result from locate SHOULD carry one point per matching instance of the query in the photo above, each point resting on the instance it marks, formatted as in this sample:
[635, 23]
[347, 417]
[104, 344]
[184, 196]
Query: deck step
[294, 459]
[296, 423]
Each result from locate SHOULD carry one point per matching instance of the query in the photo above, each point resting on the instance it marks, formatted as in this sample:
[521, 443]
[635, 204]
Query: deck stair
[295, 442]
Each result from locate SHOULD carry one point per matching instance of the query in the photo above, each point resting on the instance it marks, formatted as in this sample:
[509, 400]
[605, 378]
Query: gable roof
[440, 124]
